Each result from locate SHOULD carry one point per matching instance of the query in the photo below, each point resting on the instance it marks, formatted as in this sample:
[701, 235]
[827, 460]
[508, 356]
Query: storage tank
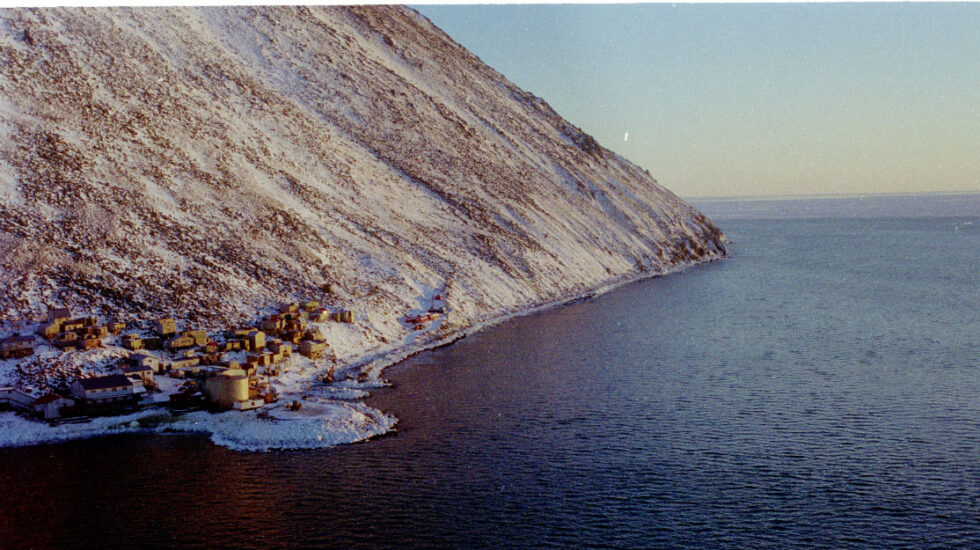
[227, 388]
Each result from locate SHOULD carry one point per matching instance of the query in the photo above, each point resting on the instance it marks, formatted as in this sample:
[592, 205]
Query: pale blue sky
[753, 99]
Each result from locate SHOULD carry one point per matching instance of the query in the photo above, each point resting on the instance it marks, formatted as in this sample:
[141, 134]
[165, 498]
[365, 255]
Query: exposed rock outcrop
[205, 162]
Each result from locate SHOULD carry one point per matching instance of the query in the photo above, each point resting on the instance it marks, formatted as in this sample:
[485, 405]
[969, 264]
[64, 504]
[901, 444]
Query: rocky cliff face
[205, 163]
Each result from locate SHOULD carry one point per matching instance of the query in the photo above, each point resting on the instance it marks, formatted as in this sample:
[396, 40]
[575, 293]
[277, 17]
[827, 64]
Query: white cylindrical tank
[227, 388]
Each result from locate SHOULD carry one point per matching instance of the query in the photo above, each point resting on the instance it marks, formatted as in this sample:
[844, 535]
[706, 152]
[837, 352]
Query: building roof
[60, 312]
[18, 339]
[44, 400]
[143, 368]
[103, 382]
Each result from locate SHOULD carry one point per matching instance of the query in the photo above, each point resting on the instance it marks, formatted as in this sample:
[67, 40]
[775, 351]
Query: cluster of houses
[82, 333]
[212, 379]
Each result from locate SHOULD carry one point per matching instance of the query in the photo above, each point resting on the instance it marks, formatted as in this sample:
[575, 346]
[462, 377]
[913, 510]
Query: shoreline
[333, 413]
[378, 363]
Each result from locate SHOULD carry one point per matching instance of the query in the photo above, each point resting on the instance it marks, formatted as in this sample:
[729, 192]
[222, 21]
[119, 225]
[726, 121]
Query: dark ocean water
[820, 388]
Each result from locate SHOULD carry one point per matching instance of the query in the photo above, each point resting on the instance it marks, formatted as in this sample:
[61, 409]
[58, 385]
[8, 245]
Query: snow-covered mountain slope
[206, 163]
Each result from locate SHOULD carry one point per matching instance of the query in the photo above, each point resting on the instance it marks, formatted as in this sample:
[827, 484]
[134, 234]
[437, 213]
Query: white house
[103, 390]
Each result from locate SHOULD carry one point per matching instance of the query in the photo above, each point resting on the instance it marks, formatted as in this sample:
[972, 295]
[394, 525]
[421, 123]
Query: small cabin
[319, 316]
[255, 340]
[180, 342]
[59, 315]
[88, 342]
[16, 346]
[166, 326]
[65, 339]
[132, 342]
[200, 337]
[311, 349]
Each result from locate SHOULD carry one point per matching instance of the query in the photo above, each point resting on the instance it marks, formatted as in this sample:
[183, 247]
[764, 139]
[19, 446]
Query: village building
[15, 399]
[278, 346]
[65, 340]
[88, 342]
[50, 406]
[75, 325]
[319, 316]
[249, 368]
[98, 331]
[56, 319]
[185, 362]
[144, 373]
[114, 390]
[255, 340]
[59, 315]
[211, 358]
[250, 403]
[342, 316]
[310, 305]
[200, 337]
[166, 327]
[311, 349]
[146, 360]
[132, 342]
[313, 334]
[180, 342]
[51, 329]
[289, 308]
[272, 324]
[260, 359]
[16, 346]
[116, 328]
[421, 318]
[231, 345]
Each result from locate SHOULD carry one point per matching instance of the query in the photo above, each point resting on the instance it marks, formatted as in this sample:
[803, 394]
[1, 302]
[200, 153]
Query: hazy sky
[761, 99]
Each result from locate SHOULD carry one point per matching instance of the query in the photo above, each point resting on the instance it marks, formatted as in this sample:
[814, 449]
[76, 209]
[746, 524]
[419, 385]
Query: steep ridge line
[205, 163]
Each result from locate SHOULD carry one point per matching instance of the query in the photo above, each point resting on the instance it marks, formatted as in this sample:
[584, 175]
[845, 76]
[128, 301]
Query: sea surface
[819, 388]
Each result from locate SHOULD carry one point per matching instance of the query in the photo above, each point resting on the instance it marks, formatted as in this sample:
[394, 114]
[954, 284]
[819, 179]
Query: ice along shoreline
[332, 413]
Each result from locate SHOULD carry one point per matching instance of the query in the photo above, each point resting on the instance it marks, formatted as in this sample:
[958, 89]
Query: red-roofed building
[50, 406]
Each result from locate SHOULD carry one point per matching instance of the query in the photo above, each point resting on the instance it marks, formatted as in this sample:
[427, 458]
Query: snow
[315, 425]
[269, 151]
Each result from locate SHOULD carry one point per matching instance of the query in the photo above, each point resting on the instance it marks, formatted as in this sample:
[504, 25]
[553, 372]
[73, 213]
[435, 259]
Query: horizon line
[806, 196]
